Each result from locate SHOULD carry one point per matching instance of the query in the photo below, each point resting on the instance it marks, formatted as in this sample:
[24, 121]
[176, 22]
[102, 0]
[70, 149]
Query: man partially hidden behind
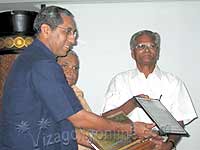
[149, 80]
[70, 64]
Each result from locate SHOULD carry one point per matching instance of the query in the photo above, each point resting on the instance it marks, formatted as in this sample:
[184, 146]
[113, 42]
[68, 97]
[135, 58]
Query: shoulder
[46, 66]
[76, 89]
[79, 93]
[123, 78]
[125, 75]
[47, 70]
[170, 78]
[38, 57]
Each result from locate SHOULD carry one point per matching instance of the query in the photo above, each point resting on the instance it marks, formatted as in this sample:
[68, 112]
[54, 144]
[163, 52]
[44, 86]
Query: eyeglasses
[68, 66]
[69, 31]
[144, 46]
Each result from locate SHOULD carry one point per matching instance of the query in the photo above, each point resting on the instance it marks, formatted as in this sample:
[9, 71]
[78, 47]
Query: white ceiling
[84, 1]
[31, 4]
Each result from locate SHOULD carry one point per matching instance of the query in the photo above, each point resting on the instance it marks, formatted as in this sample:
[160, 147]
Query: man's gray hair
[155, 36]
[71, 52]
[51, 16]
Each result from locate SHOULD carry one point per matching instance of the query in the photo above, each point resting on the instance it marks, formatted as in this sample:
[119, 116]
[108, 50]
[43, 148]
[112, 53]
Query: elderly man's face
[63, 37]
[70, 65]
[145, 52]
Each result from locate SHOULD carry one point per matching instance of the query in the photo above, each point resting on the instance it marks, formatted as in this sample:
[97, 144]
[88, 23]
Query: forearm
[88, 120]
[127, 107]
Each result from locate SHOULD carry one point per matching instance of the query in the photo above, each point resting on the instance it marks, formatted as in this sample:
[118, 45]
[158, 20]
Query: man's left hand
[162, 145]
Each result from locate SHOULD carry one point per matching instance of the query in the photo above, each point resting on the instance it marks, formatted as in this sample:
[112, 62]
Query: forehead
[144, 38]
[68, 21]
[70, 58]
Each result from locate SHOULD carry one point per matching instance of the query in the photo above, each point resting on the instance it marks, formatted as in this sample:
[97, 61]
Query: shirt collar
[156, 72]
[42, 46]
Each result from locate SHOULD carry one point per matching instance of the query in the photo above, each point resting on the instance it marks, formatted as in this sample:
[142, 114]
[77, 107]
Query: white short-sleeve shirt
[175, 96]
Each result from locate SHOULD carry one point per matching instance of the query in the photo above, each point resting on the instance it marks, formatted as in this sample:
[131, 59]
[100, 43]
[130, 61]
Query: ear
[158, 54]
[133, 53]
[45, 30]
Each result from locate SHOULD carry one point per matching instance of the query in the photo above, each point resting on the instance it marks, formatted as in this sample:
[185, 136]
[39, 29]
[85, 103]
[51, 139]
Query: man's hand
[143, 96]
[144, 130]
[162, 145]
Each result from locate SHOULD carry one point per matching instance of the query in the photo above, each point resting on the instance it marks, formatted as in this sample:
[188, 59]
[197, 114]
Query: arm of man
[88, 120]
[127, 107]
[171, 142]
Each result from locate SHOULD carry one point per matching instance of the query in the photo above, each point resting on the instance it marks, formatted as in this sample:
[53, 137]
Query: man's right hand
[144, 130]
[144, 96]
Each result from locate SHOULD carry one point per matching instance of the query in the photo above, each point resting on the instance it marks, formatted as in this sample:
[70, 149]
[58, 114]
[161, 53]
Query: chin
[70, 83]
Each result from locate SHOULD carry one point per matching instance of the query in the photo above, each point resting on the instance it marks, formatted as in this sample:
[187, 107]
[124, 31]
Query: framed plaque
[159, 114]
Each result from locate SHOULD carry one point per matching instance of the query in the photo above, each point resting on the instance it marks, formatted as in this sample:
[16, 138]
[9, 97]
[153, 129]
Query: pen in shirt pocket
[160, 97]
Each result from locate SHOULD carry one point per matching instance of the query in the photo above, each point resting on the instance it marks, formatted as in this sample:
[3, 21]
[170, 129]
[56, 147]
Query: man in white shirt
[149, 80]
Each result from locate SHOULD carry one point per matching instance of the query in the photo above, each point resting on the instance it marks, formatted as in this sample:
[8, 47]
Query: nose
[72, 39]
[70, 72]
[146, 49]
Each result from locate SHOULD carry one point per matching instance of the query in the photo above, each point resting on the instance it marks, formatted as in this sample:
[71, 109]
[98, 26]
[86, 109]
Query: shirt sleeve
[52, 89]
[182, 107]
[117, 93]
